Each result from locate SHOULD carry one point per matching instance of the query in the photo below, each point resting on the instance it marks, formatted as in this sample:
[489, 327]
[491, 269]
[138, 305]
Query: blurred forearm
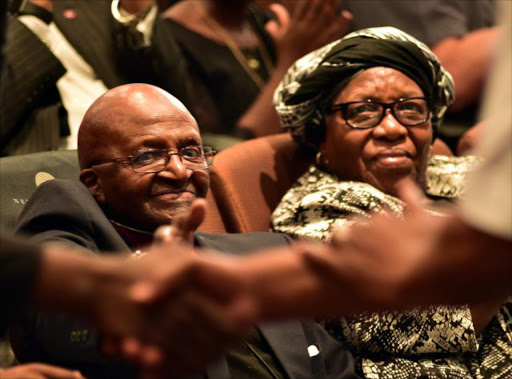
[468, 59]
[135, 6]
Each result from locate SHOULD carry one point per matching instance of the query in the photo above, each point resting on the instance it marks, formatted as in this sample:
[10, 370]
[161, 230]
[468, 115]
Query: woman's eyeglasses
[369, 113]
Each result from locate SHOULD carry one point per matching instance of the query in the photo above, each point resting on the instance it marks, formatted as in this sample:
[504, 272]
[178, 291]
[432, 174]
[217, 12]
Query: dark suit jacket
[19, 263]
[64, 210]
[28, 95]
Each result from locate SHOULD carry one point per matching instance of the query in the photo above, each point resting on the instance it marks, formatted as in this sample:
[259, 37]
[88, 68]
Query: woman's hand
[46, 4]
[135, 6]
[39, 371]
[311, 25]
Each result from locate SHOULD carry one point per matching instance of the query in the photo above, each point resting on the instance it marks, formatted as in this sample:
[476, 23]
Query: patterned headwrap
[311, 82]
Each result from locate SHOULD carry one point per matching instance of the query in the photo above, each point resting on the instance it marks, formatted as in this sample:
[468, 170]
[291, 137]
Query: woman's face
[390, 152]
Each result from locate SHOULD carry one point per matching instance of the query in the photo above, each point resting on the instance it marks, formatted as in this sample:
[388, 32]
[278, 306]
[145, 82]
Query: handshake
[169, 309]
[173, 309]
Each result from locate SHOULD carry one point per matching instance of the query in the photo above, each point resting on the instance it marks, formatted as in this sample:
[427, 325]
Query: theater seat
[249, 179]
[213, 222]
[21, 174]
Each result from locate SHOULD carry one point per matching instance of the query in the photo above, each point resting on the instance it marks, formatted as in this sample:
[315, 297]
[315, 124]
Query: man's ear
[92, 181]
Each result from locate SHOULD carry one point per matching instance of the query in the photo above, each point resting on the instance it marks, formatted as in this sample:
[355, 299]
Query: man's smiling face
[148, 119]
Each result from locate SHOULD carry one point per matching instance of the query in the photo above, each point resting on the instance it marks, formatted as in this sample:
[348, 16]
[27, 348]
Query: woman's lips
[393, 159]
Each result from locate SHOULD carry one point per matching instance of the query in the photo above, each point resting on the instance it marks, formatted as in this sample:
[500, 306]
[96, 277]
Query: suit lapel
[87, 25]
[289, 344]
[287, 339]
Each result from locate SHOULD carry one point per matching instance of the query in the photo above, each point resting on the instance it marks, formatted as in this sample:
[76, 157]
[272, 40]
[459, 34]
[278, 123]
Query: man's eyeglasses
[369, 113]
[156, 160]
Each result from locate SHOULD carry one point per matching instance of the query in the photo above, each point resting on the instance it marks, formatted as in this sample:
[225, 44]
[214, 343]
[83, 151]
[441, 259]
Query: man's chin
[165, 213]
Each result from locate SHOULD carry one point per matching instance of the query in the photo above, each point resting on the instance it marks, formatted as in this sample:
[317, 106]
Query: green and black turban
[311, 82]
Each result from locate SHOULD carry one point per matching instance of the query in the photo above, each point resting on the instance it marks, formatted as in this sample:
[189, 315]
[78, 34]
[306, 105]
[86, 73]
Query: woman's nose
[390, 128]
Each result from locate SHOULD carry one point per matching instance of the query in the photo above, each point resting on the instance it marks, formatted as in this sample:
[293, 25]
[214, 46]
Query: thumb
[195, 215]
[272, 28]
[182, 228]
[276, 28]
[411, 195]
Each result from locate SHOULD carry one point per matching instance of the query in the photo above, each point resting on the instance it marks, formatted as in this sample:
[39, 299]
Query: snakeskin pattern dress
[438, 342]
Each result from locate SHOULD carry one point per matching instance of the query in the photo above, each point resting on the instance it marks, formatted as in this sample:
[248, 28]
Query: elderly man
[142, 165]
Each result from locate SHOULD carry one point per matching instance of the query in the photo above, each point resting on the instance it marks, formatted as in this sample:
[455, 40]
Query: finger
[195, 216]
[340, 236]
[346, 16]
[327, 8]
[110, 346]
[315, 10]
[411, 194]
[130, 348]
[282, 24]
[163, 235]
[174, 271]
[337, 25]
[151, 357]
[273, 29]
[183, 227]
[148, 356]
[55, 372]
[344, 22]
[204, 329]
[185, 339]
[300, 10]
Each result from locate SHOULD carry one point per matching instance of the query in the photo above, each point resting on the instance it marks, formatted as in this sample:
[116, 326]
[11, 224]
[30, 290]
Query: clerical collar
[135, 238]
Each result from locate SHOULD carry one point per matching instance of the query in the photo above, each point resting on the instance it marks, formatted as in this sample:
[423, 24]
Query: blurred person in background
[61, 55]
[237, 53]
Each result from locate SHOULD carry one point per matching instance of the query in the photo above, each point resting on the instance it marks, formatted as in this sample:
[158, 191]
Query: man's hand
[469, 140]
[135, 6]
[422, 259]
[182, 228]
[180, 310]
[312, 24]
[385, 257]
[39, 371]
[174, 312]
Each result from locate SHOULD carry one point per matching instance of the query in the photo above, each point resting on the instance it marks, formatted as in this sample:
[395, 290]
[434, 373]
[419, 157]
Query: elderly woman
[370, 104]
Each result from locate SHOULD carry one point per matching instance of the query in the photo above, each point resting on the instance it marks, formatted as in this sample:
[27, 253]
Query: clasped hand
[175, 311]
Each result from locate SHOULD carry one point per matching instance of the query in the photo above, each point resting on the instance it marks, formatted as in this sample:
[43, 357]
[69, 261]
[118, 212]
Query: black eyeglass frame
[130, 160]
[342, 107]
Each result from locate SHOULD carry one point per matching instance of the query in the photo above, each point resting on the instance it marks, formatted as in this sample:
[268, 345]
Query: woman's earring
[321, 160]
